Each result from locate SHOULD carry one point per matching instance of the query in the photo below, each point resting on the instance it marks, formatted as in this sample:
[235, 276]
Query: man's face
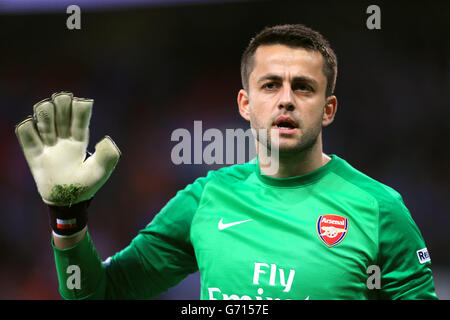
[287, 93]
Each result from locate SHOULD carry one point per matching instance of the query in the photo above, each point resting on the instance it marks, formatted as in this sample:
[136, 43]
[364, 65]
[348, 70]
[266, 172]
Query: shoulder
[387, 197]
[394, 218]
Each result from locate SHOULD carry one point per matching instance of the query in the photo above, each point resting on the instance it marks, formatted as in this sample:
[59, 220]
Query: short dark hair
[296, 36]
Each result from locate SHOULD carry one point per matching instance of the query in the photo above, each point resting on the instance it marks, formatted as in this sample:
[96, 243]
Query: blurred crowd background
[155, 67]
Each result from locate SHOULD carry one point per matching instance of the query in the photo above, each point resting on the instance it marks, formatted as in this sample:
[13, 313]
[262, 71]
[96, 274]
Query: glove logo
[332, 229]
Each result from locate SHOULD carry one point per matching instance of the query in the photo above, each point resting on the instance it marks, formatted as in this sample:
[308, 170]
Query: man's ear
[244, 104]
[330, 109]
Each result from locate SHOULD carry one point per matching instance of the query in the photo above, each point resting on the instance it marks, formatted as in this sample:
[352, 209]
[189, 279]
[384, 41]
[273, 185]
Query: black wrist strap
[66, 221]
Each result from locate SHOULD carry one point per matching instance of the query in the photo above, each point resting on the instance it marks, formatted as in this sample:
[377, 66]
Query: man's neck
[294, 164]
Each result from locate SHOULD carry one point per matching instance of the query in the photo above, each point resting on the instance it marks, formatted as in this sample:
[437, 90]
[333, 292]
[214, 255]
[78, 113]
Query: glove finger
[44, 114]
[29, 139]
[98, 167]
[107, 153]
[62, 102]
[81, 115]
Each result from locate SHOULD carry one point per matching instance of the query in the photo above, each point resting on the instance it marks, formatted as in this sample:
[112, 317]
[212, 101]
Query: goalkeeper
[314, 229]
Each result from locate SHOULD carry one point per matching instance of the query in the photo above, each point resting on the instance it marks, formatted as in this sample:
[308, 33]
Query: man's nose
[286, 99]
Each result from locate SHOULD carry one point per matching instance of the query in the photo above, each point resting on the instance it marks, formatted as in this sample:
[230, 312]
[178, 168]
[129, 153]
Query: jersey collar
[300, 180]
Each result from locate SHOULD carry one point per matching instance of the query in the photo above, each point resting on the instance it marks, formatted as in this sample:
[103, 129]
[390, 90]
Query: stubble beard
[304, 144]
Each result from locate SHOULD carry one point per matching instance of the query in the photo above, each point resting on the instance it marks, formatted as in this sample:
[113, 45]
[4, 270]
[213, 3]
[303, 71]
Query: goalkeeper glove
[54, 142]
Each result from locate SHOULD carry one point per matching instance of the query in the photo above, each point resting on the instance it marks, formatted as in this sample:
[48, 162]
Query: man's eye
[270, 86]
[303, 87]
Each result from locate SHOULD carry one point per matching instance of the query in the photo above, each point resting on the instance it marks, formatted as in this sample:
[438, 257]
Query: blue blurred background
[155, 66]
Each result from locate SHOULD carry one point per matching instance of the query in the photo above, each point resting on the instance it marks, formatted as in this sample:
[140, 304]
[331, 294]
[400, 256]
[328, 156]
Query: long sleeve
[404, 274]
[159, 257]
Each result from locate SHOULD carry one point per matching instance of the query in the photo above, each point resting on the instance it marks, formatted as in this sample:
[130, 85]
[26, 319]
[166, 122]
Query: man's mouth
[285, 125]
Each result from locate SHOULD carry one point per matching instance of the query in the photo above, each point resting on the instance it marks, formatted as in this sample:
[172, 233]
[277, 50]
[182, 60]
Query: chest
[287, 244]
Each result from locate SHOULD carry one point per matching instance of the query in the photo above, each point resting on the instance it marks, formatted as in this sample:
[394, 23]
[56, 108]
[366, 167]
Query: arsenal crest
[332, 229]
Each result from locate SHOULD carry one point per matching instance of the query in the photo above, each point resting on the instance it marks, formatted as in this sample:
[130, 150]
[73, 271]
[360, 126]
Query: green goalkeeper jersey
[333, 233]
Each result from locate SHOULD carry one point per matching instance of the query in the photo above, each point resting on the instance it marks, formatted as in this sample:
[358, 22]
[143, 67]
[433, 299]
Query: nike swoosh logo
[223, 226]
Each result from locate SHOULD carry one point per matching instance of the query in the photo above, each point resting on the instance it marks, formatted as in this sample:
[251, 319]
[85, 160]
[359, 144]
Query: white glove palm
[55, 150]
